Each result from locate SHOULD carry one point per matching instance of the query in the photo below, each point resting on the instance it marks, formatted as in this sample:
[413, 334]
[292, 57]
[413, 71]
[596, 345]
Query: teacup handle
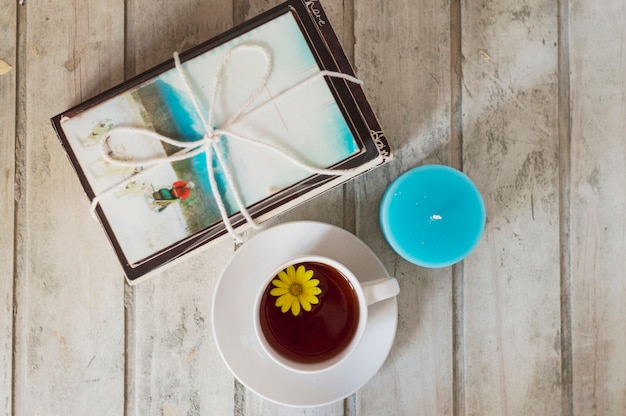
[381, 289]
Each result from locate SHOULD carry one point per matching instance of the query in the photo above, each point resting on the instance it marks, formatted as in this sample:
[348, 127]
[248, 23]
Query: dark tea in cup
[311, 313]
[317, 334]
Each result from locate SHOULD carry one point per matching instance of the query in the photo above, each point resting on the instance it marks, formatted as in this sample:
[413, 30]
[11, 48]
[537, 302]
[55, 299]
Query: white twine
[208, 144]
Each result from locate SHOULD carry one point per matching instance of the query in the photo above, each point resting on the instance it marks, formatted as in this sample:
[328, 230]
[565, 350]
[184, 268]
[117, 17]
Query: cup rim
[333, 361]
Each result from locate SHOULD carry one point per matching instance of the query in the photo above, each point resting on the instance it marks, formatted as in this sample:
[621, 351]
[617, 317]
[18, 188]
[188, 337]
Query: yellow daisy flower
[295, 289]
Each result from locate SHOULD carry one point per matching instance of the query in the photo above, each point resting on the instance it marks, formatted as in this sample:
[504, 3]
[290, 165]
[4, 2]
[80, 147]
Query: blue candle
[432, 215]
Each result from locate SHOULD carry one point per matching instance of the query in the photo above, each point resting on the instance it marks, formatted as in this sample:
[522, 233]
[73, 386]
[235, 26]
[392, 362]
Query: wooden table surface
[528, 97]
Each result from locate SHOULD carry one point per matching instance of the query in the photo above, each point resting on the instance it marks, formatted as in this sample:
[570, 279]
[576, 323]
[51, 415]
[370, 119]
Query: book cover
[248, 124]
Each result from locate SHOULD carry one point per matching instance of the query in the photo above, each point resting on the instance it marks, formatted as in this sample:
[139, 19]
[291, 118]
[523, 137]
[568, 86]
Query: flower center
[295, 289]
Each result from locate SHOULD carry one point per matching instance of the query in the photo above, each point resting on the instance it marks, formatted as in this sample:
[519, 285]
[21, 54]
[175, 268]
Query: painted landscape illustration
[173, 201]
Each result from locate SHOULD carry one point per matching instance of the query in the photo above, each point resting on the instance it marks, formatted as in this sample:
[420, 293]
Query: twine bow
[208, 144]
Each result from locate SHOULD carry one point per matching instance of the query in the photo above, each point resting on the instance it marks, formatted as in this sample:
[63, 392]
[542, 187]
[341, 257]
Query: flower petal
[291, 272]
[284, 299]
[307, 275]
[283, 276]
[295, 307]
[278, 291]
[300, 273]
[280, 283]
[310, 299]
[311, 283]
[288, 304]
[306, 305]
[314, 291]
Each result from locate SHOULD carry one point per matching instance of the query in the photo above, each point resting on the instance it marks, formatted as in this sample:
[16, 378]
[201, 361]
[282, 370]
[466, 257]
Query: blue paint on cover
[182, 111]
[347, 142]
[188, 124]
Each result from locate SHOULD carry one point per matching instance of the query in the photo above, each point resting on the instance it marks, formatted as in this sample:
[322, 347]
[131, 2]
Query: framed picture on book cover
[251, 123]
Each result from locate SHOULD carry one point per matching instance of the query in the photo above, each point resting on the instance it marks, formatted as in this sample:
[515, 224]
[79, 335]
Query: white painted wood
[598, 200]
[85, 343]
[8, 54]
[512, 281]
[175, 368]
[69, 356]
[402, 53]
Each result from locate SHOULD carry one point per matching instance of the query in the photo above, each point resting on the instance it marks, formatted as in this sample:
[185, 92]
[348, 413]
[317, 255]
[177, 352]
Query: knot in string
[209, 138]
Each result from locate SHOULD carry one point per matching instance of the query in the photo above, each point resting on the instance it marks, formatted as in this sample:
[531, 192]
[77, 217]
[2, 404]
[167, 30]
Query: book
[222, 137]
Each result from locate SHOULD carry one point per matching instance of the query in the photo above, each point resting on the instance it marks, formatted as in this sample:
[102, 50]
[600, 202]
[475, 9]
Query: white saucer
[234, 299]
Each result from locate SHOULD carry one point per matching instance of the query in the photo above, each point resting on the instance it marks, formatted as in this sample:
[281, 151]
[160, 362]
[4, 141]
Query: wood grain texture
[69, 323]
[8, 54]
[530, 324]
[176, 368]
[598, 204]
[512, 280]
[402, 53]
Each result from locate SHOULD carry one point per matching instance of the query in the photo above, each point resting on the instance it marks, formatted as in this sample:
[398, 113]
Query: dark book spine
[322, 24]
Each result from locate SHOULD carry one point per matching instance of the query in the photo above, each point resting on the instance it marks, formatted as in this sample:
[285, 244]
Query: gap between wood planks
[130, 344]
[564, 139]
[456, 160]
[20, 186]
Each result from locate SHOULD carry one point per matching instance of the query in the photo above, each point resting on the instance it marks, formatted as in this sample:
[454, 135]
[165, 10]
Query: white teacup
[331, 315]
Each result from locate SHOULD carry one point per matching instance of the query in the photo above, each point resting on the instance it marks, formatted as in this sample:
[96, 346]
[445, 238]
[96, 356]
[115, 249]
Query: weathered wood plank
[402, 53]
[69, 289]
[176, 369]
[70, 296]
[598, 202]
[8, 55]
[512, 282]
